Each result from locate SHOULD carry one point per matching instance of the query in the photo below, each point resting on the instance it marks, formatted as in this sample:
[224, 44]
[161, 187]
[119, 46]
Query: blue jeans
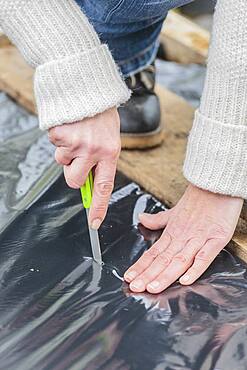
[130, 28]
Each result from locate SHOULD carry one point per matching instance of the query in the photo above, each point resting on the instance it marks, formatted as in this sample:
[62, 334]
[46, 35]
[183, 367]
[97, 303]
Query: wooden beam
[16, 77]
[4, 41]
[183, 40]
[238, 245]
[159, 170]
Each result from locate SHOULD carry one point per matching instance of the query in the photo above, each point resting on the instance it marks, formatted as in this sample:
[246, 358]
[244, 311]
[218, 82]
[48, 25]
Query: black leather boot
[140, 116]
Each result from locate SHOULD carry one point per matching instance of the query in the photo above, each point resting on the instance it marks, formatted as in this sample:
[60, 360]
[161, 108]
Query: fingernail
[154, 285]
[96, 224]
[185, 278]
[131, 275]
[138, 284]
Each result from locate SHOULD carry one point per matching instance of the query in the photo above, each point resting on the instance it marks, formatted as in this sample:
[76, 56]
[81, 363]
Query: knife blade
[87, 195]
[95, 244]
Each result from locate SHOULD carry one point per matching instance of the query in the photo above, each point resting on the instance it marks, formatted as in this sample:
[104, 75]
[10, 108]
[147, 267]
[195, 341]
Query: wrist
[200, 193]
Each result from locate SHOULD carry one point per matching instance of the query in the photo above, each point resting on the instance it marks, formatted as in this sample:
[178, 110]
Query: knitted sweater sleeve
[75, 75]
[216, 158]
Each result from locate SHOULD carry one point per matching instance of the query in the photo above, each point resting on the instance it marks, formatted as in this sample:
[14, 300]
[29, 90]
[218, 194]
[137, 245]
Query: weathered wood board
[159, 170]
[184, 41]
[16, 77]
[4, 41]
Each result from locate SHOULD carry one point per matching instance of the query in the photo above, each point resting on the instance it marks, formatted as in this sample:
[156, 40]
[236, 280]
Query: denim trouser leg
[130, 28]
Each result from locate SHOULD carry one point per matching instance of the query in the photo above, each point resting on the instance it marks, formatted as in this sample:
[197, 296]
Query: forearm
[75, 76]
[216, 157]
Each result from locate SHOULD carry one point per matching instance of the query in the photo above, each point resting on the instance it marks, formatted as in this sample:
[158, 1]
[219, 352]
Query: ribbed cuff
[216, 158]
[83, 85]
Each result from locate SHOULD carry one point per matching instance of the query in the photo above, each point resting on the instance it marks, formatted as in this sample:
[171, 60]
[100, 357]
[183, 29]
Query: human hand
[93, 142]
[196, 230]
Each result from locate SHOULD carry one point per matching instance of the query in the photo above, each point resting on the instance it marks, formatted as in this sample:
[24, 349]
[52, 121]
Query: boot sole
[142, 141]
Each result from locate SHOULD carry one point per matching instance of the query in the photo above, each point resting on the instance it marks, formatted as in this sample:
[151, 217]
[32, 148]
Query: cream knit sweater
[76, 77]
[216, 157]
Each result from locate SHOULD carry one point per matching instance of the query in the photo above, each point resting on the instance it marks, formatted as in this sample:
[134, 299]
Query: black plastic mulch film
[60, 310]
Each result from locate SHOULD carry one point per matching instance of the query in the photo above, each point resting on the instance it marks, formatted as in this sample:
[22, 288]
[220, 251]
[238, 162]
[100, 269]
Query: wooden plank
[239, 245]
[159, 170]
[183, 40]
[16, 77]
[4, 41]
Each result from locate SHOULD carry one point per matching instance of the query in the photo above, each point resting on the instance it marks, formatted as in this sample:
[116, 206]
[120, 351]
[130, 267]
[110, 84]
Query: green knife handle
[87, 191]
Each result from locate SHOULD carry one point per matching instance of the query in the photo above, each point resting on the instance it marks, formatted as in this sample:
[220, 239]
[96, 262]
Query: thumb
[154, 221]
[103, 186]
